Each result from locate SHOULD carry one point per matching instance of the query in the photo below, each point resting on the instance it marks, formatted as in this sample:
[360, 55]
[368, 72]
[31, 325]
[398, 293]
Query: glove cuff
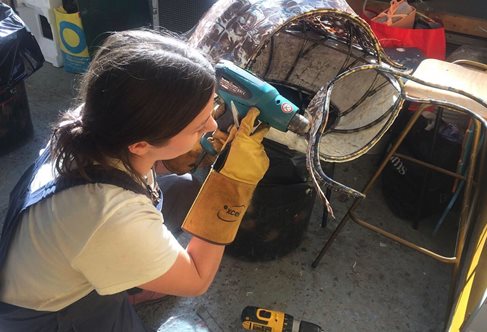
[218, 209]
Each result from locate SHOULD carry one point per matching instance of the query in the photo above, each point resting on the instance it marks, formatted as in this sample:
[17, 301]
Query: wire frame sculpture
[299, 46]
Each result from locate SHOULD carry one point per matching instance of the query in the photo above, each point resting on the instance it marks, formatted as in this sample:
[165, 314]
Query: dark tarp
[20, 54]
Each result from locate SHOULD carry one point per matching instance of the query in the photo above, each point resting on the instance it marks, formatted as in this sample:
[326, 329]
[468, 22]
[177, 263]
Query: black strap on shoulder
[97, 174]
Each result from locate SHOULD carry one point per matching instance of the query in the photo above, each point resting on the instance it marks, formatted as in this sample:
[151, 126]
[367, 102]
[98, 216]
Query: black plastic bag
[20, 55]
[402, 180]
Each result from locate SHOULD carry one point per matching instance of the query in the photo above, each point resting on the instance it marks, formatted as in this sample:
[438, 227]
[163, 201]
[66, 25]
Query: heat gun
[247, 90]
[241, 88]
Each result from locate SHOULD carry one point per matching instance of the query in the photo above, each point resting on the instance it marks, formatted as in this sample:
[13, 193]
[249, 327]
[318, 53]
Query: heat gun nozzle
[299, 125]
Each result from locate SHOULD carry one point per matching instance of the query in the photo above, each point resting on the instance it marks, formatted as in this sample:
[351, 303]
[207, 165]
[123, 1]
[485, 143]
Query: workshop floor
[363, 283]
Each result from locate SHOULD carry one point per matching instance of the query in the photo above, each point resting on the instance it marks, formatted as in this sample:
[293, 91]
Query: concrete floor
[364, 282]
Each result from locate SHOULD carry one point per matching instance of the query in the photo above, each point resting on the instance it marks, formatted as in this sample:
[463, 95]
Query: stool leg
[466, 204]
[330, 241]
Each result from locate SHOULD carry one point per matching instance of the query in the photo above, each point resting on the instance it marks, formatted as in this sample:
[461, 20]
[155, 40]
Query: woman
[83, 226]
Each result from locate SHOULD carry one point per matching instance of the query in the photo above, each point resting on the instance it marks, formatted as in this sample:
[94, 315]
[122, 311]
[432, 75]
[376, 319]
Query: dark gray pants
[179, 193]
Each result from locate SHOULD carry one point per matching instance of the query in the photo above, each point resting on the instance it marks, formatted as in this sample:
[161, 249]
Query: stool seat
[468, 79]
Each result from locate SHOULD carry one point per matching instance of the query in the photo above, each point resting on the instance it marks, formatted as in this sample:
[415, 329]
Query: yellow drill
[264, 320]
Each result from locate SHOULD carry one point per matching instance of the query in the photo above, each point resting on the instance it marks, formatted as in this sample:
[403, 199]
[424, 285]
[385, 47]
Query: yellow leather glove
[226, 193]
[191, 160]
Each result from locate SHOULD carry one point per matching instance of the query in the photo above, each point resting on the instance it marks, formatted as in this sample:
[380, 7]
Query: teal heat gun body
[246, 90]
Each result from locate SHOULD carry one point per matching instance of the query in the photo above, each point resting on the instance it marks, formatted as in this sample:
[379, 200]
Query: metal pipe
[433, 167]
[441, 258]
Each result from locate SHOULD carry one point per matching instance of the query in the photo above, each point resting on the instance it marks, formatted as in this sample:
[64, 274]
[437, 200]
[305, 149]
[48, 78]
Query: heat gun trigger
[235, 117]
[256, 126]
[234, 113]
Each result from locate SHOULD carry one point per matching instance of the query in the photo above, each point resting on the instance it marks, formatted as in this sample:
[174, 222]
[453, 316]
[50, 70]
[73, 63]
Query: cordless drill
[241, 88]
[258, 319]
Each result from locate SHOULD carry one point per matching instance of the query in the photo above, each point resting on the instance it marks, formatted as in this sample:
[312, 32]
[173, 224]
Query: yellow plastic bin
[72, 41]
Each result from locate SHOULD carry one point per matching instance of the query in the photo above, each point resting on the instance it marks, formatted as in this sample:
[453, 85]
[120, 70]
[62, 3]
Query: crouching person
[84, 226]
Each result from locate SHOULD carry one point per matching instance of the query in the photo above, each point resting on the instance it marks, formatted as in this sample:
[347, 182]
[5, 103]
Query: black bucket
[280, 210]
[15, 121]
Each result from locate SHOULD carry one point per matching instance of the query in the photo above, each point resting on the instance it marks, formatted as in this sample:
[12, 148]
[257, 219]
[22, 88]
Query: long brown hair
[140, 85]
